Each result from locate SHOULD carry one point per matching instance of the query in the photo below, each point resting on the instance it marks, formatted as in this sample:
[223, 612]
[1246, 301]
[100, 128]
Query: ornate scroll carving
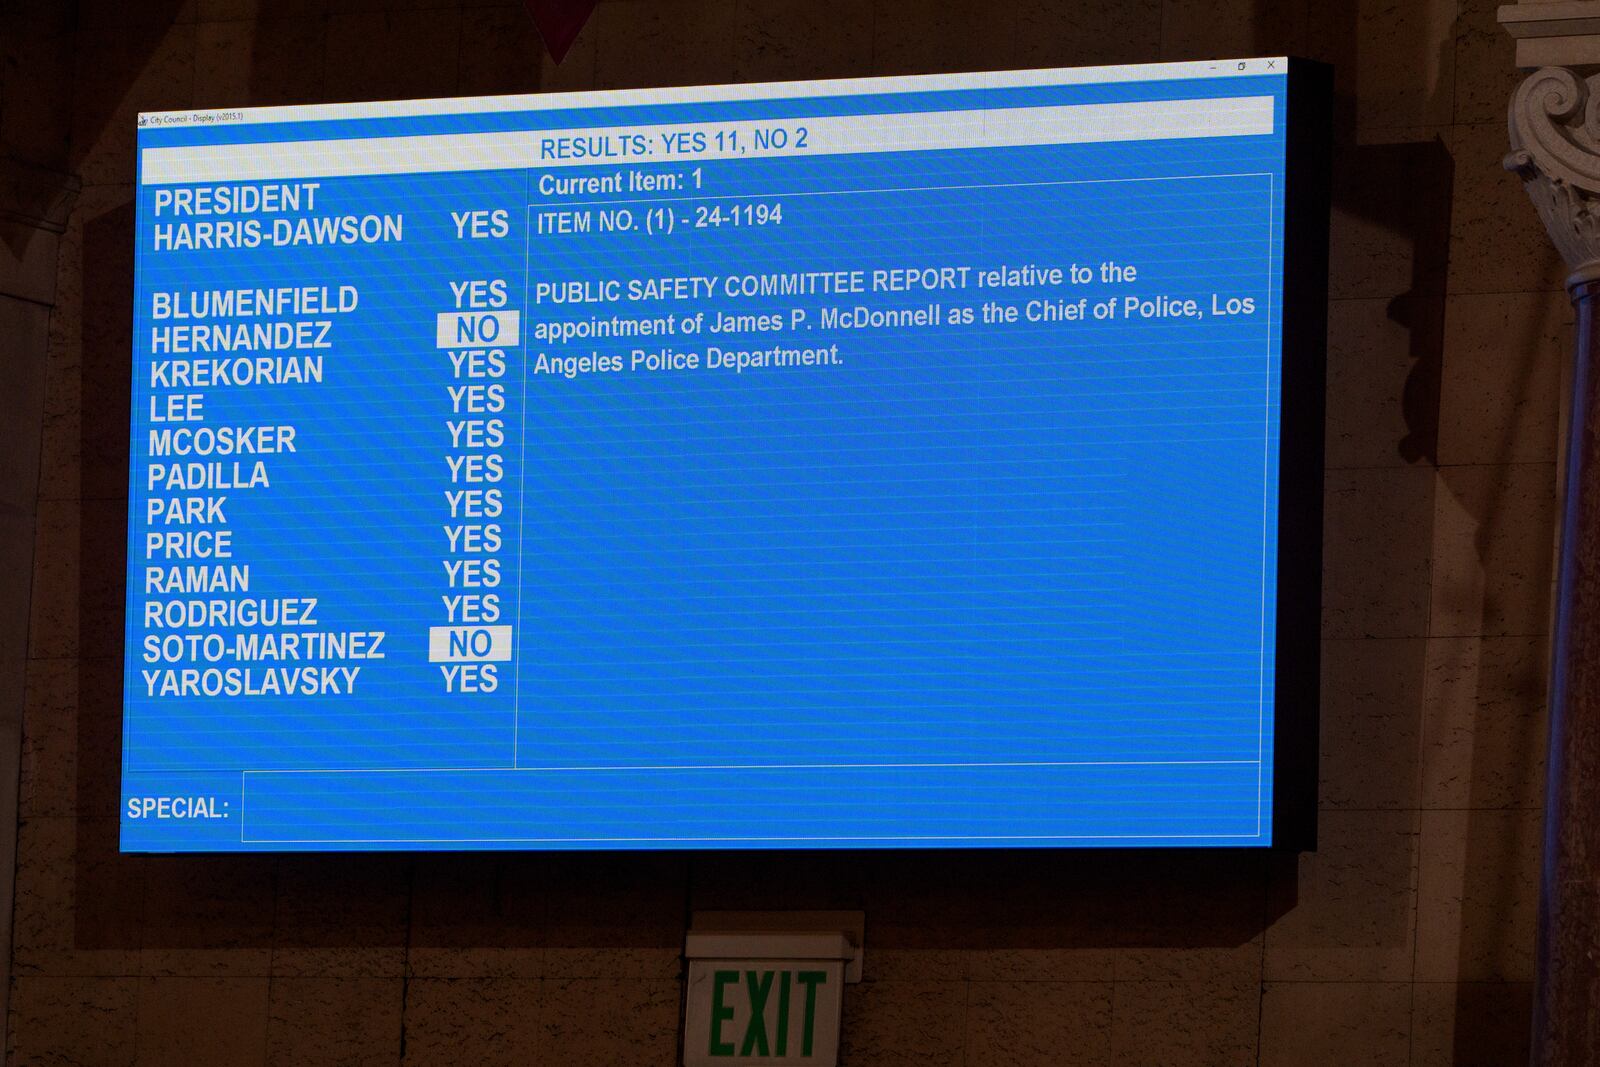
[1555, 150]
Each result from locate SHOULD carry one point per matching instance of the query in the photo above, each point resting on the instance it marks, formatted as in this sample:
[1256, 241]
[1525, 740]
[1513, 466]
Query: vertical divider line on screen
[1266, 510]
[522, 477]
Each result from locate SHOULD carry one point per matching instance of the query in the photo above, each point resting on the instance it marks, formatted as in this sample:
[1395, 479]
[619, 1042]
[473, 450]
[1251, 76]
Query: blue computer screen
[874, 463]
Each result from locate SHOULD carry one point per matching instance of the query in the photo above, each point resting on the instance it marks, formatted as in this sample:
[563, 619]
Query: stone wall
[1405, 939]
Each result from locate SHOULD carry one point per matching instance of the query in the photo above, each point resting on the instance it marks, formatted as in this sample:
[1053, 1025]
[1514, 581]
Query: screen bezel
[1296, 679]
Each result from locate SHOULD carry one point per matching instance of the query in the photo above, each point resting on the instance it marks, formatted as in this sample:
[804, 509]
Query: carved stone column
[1555, 149]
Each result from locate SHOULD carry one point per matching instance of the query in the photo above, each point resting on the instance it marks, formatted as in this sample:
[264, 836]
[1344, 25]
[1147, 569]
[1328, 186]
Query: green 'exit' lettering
[720, 1047]
[756, 1042]
[755, 1031]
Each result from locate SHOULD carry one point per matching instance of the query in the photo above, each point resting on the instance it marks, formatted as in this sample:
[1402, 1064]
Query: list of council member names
[237, 381]
[211, 627]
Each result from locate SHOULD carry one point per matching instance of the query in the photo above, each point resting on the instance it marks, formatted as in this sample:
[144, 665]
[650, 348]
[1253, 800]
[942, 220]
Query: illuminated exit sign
[771, 998]
[763, 1012]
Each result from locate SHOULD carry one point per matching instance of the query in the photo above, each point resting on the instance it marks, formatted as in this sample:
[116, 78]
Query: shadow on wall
[1400, 190]
[1365, 180]
[1406, 189]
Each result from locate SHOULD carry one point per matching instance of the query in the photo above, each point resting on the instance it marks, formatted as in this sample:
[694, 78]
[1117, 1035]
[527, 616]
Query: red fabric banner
[559, 22]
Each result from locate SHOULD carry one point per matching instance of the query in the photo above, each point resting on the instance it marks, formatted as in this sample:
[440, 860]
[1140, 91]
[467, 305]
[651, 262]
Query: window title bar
[1210, 68]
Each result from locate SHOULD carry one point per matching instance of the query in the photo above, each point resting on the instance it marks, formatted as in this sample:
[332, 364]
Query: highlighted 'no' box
[469, 644]
[471, 329]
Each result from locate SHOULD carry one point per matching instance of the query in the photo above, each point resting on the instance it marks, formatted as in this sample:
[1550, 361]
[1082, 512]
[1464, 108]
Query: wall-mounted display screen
[905, 462]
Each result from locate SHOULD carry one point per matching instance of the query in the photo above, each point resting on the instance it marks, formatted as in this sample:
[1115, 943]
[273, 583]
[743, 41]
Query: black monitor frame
[1298, 682]
[1297, 674]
